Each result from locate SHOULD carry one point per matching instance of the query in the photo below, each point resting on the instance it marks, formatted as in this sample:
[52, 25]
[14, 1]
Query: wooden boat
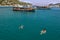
[23, 9]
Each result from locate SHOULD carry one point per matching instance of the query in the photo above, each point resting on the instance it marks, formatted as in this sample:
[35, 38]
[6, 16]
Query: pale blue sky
[41, 2]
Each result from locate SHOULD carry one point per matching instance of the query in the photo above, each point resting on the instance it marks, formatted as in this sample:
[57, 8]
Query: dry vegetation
[11, 2]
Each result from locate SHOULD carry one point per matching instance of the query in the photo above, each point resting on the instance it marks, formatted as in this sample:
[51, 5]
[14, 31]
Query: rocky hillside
[55, 4]
[12, 2]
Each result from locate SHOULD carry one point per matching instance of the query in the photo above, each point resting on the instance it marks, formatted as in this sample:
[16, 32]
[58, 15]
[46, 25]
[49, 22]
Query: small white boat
[21, 27]
[43, 32]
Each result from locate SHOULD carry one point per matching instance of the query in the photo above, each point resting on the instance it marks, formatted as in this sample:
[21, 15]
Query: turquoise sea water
[33, 23]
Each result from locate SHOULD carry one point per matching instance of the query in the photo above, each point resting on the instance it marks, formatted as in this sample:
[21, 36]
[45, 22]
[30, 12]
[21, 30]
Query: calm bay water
[33, 23]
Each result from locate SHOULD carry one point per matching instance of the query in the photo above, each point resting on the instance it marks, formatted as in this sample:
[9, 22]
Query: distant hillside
[12, 2]
[55, 4]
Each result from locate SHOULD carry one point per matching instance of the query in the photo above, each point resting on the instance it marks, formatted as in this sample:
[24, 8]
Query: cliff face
[12, 2]
[55, 5]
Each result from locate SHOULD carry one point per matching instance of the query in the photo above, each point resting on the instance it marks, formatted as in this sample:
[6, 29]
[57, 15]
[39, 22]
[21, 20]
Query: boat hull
[24, 9]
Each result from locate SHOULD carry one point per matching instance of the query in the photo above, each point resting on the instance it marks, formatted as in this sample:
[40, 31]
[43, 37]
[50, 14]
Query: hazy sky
[41, 2]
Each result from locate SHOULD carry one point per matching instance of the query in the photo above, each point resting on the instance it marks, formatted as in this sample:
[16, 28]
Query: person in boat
[43, 31]
[21, 27]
